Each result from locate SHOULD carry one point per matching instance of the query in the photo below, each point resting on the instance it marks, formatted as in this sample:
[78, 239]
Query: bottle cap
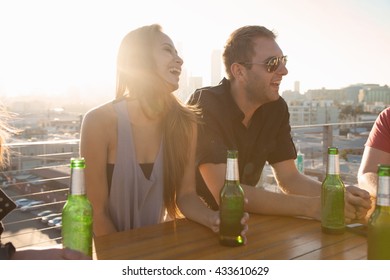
[333, 150]
[77, 163]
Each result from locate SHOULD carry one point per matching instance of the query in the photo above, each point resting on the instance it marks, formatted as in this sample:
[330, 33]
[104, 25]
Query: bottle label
[333, 165]
[383, 197]
[77, 184]
[232, 170]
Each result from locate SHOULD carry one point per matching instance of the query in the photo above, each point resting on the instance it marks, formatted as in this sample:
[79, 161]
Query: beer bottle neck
[383, 192]
[232, 173]
[77, 183]
[333, 167]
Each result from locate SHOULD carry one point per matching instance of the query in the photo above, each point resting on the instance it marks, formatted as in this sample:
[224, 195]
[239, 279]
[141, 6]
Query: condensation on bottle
[378, 237]
[77, 216]
[231, 204]
[332, 196]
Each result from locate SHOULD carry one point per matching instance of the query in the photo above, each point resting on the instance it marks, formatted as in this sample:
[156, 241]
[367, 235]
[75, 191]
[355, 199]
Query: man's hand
[357, 204]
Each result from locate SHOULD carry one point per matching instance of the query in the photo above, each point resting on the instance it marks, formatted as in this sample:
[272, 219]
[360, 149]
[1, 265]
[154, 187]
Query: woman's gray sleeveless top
[134, 201]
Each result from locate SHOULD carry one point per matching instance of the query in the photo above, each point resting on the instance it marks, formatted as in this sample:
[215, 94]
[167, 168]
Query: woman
[140, 148]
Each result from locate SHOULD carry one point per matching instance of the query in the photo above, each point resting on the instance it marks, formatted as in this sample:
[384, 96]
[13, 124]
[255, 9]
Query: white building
[314, 112]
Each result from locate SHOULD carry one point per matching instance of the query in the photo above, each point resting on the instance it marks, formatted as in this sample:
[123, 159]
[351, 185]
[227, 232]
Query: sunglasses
[272, 64]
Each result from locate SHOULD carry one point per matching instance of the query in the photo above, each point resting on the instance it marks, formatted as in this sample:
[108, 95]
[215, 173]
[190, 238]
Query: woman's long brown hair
[5, 131]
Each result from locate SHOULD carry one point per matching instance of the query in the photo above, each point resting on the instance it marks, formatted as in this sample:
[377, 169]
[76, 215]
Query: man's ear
[238, 71]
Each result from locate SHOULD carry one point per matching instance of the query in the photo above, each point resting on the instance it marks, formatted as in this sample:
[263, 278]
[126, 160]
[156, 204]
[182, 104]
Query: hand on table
[357, 204]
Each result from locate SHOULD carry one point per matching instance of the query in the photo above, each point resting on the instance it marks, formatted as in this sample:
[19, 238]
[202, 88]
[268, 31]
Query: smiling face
[262, 86]
[168, 63]
[147, 64]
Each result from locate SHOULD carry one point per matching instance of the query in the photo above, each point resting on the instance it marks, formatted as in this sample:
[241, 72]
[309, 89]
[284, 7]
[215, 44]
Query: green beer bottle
[77, 212]
[332, 196]
[378, 242]
[231, 207]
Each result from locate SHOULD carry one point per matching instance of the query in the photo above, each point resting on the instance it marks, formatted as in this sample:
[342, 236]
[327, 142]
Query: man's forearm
[368, 181]
[271, 203]
[302, 185]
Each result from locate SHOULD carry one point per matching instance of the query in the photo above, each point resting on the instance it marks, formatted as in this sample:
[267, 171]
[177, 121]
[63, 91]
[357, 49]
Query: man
[376, 151]
[245, 112]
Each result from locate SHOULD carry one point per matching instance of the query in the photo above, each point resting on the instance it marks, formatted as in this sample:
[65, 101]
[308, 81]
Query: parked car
[59, 225]
[44, 213]
[5, 184]
[22, 202]
[55, 221]
[30, 205]
[46, 218]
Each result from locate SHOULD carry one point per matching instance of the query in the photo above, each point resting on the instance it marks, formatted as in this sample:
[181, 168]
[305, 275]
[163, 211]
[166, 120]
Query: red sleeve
[379, 137]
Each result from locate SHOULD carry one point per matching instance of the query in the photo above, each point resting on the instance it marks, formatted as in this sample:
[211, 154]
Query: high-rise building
[297, 86]
[182, 92]
[194, 83]
[216, 67]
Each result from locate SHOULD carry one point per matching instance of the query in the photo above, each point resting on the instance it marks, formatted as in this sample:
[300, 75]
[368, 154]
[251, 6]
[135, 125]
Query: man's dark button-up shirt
[267, 138]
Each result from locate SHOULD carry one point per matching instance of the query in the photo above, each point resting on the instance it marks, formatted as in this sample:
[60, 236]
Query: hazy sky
[55, 45]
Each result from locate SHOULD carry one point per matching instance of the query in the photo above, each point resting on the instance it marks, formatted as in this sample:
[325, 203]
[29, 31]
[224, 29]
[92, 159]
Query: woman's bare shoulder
[101, 115]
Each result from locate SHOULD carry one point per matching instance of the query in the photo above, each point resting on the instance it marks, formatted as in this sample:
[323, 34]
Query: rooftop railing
[38, 176]
[38, 181]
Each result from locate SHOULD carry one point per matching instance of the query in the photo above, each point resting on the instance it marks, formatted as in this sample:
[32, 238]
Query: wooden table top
[269, 237]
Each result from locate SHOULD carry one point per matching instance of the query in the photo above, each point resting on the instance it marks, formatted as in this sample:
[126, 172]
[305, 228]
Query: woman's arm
[188, 201]
[94, 147]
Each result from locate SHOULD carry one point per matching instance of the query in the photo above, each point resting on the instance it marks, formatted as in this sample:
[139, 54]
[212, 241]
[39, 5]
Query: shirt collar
[234, 110]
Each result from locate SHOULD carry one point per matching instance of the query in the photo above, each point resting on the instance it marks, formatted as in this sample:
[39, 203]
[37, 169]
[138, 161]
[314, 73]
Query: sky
[52, 46]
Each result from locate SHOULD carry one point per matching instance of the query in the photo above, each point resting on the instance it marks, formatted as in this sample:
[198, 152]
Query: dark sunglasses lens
[273, 64]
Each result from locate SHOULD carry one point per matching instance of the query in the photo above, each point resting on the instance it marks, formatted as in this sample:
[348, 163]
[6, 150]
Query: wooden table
[269, 237]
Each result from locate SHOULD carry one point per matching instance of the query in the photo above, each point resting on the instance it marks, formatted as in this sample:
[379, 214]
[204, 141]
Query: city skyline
[54, 46]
